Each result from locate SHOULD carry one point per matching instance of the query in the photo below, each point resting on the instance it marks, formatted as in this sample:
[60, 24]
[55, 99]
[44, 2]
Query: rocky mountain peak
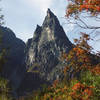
[48, 42]
[50, 20]
[37, 32]
[38, 27]
[51, 29]
[49, 13]
[43, 52]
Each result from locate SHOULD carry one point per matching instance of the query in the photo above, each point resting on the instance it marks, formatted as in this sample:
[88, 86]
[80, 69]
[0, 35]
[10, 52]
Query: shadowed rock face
[43, 51]
[13, 69]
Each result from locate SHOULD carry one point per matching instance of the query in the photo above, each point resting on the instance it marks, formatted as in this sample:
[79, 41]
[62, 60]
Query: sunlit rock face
[44, 50]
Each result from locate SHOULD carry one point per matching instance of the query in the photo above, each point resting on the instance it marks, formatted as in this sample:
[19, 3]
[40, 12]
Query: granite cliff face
[14, 68]
[45, 48]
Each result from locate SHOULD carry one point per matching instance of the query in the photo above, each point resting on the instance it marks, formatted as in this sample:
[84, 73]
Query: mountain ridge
[39, 59]
[13, 69]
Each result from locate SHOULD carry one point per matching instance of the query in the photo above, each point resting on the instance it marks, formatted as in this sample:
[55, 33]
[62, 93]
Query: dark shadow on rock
[31, 82]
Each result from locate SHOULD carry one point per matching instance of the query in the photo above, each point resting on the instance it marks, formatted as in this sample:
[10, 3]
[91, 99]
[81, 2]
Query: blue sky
[22, 16]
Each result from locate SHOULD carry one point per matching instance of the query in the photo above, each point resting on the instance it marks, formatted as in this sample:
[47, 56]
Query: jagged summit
[38, 28]
[51, 30]
[50, 13]
[43, 53]
[50, 19]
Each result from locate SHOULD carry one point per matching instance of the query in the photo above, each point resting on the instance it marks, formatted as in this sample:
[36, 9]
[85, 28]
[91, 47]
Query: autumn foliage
[77, 6]
[81, 91]
[79, 57]
[84, 87]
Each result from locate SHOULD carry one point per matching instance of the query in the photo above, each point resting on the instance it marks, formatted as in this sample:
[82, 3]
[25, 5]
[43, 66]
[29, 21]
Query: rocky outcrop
[45, 48]
[40, 56]
[14, 68]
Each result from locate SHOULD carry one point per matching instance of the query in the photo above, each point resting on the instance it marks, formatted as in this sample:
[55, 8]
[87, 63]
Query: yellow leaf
[69, 98]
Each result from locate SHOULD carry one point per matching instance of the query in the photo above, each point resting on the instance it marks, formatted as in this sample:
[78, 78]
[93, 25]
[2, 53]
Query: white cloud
[42, 5]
